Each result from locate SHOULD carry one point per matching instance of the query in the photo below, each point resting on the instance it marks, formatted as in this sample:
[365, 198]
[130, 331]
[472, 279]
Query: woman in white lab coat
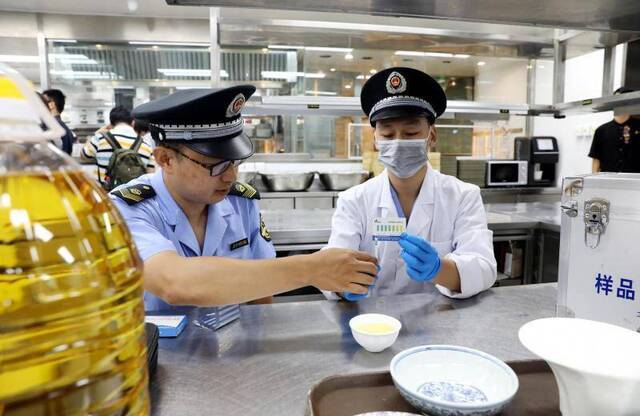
[447, 245]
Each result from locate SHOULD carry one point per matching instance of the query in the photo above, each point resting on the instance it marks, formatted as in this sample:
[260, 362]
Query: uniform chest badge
[626, 134]
[235, 106]
[396, 83]
[238, 244]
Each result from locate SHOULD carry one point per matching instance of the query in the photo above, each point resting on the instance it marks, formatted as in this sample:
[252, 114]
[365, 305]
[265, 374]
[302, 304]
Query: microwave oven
[507, 172]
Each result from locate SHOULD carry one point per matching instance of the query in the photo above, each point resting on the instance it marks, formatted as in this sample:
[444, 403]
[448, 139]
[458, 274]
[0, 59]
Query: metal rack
[350, 106]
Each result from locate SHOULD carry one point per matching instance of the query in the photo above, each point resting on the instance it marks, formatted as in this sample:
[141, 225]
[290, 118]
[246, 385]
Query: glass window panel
[21, 54]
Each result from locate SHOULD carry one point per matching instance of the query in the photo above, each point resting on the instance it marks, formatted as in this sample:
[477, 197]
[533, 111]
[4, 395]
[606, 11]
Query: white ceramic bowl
[374, 342]
[449, 380]
[596, 365]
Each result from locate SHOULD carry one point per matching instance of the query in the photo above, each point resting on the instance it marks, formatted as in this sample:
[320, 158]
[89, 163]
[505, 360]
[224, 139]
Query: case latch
[596, 219]
[570, 208]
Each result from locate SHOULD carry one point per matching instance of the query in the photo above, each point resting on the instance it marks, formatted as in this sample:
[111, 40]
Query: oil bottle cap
[23, 116]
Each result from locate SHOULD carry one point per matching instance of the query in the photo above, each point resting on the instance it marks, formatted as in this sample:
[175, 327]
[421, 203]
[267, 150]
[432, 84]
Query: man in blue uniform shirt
[198, 231]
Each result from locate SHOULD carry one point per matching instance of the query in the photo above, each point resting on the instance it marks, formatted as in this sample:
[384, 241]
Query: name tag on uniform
[238, 244]
[388, 229]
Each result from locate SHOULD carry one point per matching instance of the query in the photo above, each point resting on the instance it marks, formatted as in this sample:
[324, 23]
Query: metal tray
[354, 394]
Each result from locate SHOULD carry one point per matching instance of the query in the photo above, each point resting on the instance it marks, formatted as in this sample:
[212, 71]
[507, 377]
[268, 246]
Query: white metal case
[599, 273]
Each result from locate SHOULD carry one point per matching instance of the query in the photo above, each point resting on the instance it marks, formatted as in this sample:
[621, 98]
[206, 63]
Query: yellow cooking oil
[375, 328]
[72, 338]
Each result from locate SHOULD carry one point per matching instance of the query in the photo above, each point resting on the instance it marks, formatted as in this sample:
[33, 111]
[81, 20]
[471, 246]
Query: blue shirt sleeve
[261, 245]
[145, 227]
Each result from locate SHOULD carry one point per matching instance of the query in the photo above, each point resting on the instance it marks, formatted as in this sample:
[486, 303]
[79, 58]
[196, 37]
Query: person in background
[141, 128]
[57, 142]
[99, 150]
[447, 246]
[55, 101]
[616, 144]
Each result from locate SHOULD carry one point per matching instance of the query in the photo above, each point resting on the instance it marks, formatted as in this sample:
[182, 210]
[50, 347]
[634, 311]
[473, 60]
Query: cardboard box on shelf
[513, 262]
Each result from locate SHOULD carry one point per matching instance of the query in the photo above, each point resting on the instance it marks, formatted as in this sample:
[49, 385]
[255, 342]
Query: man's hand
[342, 270]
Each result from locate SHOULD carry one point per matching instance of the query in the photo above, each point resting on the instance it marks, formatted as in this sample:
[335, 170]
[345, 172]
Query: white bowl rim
[458, 348]
[396, 322]
[577, 368]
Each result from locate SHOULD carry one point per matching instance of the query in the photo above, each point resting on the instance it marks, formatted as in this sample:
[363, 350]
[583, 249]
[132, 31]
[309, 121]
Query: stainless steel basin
[286, 182]
[339, 181]
[247, 177]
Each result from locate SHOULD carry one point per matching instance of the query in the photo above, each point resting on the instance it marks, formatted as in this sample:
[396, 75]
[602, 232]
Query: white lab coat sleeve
[472, 248]
[347, 229]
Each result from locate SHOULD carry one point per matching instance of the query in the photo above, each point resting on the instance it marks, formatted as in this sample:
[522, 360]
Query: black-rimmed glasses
[215, 169]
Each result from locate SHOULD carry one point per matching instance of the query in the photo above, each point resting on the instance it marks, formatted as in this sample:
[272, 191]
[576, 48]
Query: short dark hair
[140, 126]
[120, 114]
[622, 90]
[57, 97]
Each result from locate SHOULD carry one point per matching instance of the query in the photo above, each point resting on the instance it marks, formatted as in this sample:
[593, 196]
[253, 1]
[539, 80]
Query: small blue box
[170, 326]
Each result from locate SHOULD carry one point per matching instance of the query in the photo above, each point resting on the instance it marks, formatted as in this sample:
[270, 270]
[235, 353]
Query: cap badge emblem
[396, 83]
[236, 106]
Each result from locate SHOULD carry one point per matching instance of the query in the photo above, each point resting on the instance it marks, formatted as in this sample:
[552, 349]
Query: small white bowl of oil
[375, 332]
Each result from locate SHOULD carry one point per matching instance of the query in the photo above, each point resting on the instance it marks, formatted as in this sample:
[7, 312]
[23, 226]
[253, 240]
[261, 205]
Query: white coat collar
[425, 196]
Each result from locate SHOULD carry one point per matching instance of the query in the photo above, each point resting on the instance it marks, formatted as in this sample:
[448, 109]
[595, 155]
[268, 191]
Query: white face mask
[403, 158]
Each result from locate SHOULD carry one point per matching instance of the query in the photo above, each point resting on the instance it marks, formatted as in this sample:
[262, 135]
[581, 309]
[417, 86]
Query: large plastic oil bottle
[72, 338]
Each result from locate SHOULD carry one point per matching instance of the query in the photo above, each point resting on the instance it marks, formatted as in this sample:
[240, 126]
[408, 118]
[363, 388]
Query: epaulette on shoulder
[134, 193]
[244, 190]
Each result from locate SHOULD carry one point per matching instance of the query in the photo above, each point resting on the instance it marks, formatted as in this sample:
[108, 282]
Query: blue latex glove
[352, 297]
[422, 260]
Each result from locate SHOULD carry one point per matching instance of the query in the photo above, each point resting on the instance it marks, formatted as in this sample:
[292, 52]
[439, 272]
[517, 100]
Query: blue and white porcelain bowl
[447, 380]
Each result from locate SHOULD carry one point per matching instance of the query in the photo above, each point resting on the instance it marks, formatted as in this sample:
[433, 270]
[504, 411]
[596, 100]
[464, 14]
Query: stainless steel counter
[542, 215]
[265, 363]
[319, 192]
[483, 191]
[299, 226]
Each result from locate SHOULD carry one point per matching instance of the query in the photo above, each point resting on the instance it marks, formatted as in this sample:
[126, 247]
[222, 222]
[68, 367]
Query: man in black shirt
[55, 101]
[616, 144]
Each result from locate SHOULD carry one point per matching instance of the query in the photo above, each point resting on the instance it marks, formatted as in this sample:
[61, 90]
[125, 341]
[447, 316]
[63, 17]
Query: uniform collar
[425, 196]
[217, 224]
[217, 221]
[222, 208]
[170, 207]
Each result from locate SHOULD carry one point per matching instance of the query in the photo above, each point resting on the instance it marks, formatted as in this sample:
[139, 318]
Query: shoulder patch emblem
[134, 193]
[263, 230]
[244, 190]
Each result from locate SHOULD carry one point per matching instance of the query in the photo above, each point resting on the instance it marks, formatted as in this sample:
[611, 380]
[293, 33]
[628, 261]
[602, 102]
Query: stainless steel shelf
[628, 103]
[350, 106]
